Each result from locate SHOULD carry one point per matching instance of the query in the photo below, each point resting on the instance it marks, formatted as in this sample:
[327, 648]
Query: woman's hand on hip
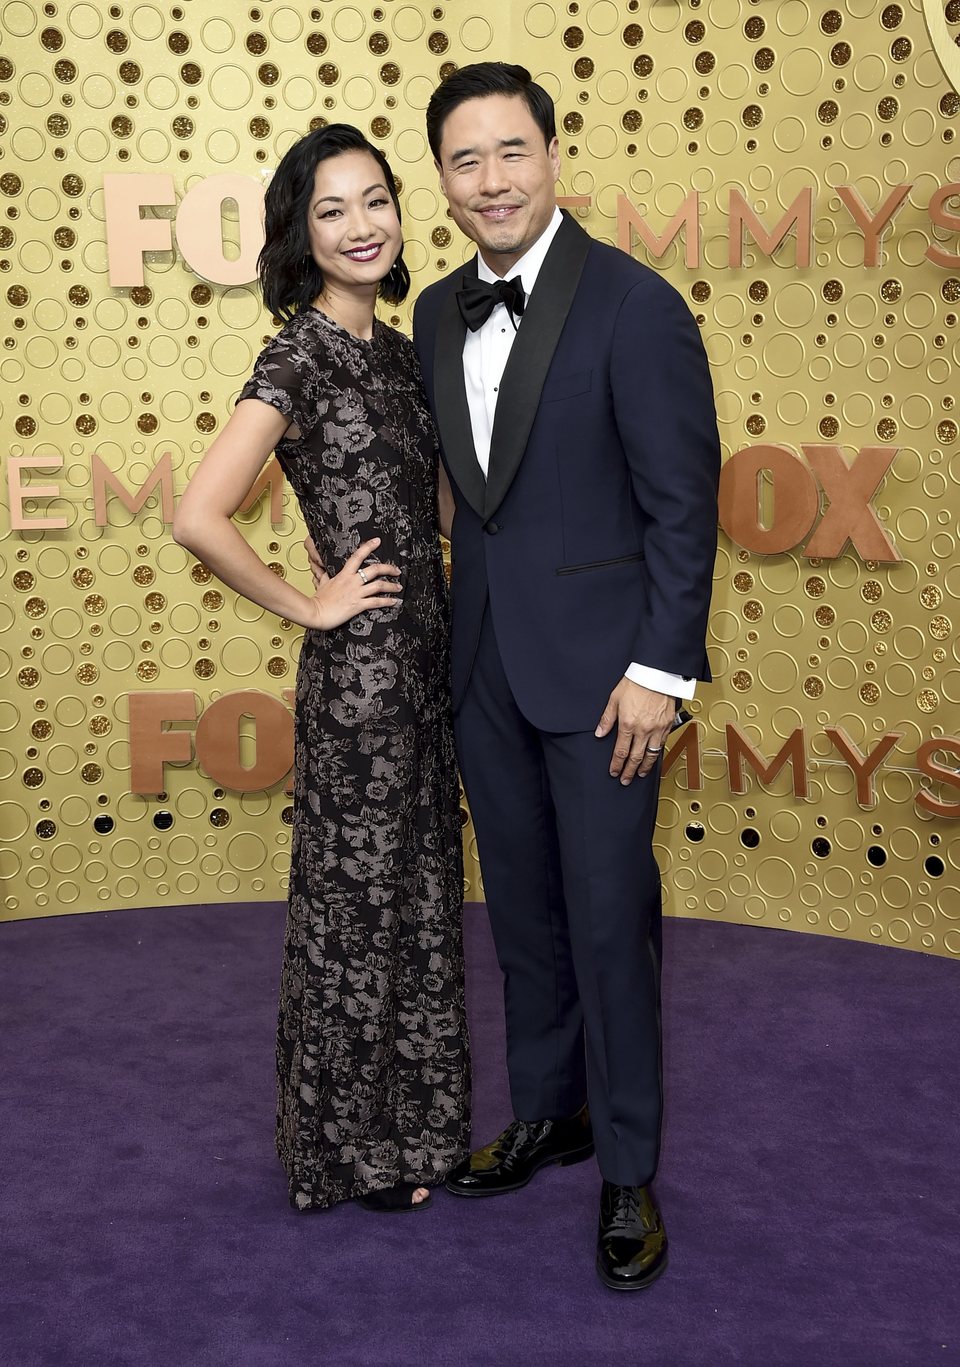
[356, 589]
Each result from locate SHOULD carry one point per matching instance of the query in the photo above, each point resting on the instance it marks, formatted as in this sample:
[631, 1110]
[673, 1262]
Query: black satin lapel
[450, 401]
[530, 357]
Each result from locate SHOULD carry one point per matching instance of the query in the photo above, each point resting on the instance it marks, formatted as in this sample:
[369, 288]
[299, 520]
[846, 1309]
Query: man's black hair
[488, 78]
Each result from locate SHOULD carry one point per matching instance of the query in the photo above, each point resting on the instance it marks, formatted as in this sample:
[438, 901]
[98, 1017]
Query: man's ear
[440, 174]
[553, 152]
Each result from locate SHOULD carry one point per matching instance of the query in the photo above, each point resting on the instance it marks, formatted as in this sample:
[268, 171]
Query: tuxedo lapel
[530, 356]
[450, 398]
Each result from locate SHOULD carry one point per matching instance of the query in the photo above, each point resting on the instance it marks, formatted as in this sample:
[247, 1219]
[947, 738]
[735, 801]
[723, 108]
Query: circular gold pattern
[583, 68]
[573, 37]
[94, 604]
[316, 44]
[892, 16]
[815, 587]
[191, 73]
[32, 778]
[380, 127]
[888, 108]
[10, 183]
[832, 291]
[947, 431]
[831, 21]
[328, 73]
[65, 71]
[204, 668]
[35, 607]
[890, 291]
[277, 666]
[51, 39]
[940, 627]
[78, 295]
[840, 54]
[87, 674]
[754, 28]
[693, 118]
[41, 730]
[752, 610]
[742, 679]
[91, 773]
[828, 426]
[100, 725]
[869, 693]
[704, 62]
[752, 116]
[950, 104]
[828, 111]
[881, 620]
[931, 596]
[82, 578]
[756, 424]
[813, 686]
[764, 58]
[28, 677]
[220, 817]
[695, 31]
[206, 422]
[268, 73]
[928, 700]
[438, 43]
[117, 41]
[642, 65]
[155, 602]
[256, 44]
[871, 591]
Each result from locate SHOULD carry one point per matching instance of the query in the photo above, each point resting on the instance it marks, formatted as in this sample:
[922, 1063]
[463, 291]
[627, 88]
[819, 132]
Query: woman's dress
[372, 1052]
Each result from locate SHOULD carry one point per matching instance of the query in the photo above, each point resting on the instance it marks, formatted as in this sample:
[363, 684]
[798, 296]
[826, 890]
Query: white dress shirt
[485, 356]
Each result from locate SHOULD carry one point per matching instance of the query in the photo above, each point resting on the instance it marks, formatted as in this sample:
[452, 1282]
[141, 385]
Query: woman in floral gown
[372, 1055]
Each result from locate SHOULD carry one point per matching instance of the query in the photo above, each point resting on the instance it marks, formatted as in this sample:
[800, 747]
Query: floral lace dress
[372, 1052]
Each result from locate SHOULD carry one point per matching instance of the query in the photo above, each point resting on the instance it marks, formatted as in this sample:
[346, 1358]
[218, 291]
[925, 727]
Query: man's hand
[643, 719]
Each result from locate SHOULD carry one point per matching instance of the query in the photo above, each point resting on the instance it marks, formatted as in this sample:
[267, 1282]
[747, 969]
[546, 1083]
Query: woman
[373, 1074]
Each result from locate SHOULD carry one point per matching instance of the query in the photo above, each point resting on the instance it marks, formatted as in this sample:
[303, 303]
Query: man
[577, 425]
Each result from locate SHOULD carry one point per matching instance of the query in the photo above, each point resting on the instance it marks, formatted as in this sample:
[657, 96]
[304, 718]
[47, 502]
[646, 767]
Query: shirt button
[492, 528]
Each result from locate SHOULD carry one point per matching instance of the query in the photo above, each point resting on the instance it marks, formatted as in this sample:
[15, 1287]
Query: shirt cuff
[674, 685]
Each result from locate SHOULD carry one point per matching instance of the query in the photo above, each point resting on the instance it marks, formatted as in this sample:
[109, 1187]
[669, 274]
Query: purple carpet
[809, 1177]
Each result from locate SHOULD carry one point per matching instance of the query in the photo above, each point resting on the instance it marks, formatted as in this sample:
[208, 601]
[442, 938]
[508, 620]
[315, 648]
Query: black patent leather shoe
[526, 1146]
[632, 1242]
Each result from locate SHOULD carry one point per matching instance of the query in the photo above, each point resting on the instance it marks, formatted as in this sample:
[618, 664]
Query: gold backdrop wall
[656, 100]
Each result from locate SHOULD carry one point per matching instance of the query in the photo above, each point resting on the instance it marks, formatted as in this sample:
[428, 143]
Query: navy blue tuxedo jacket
[594, 534]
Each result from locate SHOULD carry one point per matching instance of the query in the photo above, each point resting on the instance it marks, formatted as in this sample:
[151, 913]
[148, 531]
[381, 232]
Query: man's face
[499, 176]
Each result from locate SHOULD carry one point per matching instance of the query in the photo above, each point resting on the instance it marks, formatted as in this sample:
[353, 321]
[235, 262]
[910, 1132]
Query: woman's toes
[419, 1195]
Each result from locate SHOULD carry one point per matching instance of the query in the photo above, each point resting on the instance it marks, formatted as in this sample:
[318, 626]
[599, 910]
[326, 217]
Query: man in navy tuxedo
[578, 431]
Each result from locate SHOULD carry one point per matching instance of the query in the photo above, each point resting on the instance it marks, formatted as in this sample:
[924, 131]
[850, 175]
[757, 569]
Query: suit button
[492, 528]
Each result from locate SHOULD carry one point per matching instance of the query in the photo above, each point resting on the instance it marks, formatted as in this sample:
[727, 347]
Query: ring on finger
[654, 749]
[363, 577]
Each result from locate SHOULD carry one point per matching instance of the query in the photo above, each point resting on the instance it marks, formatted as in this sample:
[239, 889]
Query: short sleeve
[285, 377]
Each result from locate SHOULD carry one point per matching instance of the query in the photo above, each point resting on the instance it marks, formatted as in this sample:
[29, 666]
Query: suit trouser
[573, 894]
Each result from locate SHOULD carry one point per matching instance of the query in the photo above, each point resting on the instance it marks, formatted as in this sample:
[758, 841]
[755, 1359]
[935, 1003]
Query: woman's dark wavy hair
[480, 79]
[289, 277]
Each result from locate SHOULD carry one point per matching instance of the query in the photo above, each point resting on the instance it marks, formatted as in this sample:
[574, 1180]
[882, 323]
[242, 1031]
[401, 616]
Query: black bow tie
[478, 298]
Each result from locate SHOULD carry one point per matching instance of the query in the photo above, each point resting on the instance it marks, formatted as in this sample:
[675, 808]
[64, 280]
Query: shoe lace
[628, 1208]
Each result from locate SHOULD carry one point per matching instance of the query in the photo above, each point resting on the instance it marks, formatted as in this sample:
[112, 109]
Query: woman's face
[353, 226]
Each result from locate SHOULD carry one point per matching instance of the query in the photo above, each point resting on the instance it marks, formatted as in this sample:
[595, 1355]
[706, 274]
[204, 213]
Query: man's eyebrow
[472, 151]
[336, 199]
